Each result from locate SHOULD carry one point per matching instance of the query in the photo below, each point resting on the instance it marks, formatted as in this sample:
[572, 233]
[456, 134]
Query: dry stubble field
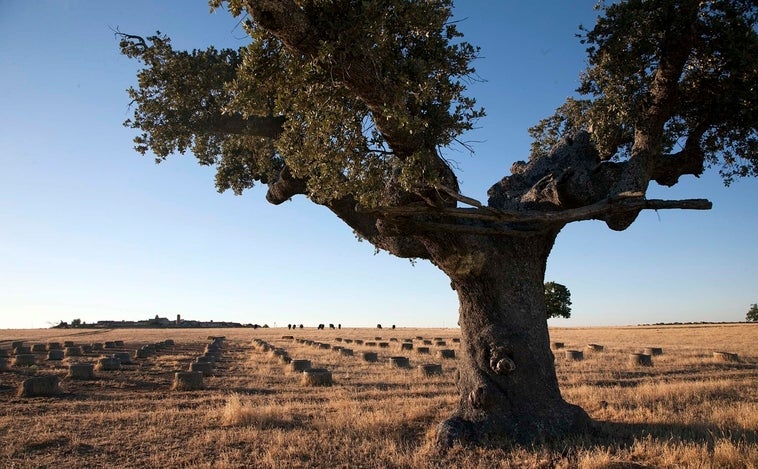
[687, 410]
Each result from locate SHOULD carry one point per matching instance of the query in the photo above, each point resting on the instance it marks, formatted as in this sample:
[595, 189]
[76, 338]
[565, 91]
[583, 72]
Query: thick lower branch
[493, 221]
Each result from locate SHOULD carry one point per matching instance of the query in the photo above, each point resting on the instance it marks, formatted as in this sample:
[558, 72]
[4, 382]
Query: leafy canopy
[714, 107]
[407, 53]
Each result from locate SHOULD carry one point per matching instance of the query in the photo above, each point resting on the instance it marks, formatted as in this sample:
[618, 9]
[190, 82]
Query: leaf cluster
[715, 105]
[752, 314]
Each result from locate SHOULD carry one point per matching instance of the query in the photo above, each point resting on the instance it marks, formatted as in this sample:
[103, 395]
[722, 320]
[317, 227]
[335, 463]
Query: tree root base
[522, 429]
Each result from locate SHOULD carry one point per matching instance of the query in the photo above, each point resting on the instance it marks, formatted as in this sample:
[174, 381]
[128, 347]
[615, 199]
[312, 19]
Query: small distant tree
[557, 300]
[76, 322]
[752, 314]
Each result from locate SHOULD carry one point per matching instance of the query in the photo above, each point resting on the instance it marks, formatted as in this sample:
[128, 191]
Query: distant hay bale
[725, 357]
[3, 353]
[377, 338]
[119, 343]
[427, 342]
[446, 353]
[456, 340]
[39, 348]
[188, 381]
[423, 350]
[324, 346]
[370, 344]
[98, 346]
[3, 364]
[288, 337]
[399, 362]
[348, 341]
[384, 344]
[205, 368]
[68, 343]
[54, 346]
[640, 359]
[81, 371]
[337, 348]
[299, 365]
[429, 369]
[206, 359]
[110, 344]
[440, 343]
[370, 357]
[108, 364]
[22, 350]
[86, 348]
[574, 355]
[346, 352]
[393, 339]
[358, 341]
[55, 355]
[437, 338]
[277, 352]
[338, 339]
[406, 346]
[40, 386]
[169, 342]
[653, 351]
[556, 345]
[125, 358]
[72, 351]
[316, 377]
[17, 343]
[408, 341]
[142, 352]
[418, 337]
[594, 348]
[24, 359]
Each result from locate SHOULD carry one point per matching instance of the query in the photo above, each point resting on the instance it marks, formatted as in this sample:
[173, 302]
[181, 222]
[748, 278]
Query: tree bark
[506, 376]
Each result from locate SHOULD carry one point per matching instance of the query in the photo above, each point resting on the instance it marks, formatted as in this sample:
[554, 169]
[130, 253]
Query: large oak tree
[351, 103]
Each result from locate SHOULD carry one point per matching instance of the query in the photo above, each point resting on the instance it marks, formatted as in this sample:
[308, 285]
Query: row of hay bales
[406, 345]
[203, 366]
[49, 385]
[639, 358]
[27, 355]
[426, 369]
[309, 376]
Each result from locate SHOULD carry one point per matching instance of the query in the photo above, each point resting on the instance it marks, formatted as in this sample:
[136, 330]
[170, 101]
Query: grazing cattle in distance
[378, 326]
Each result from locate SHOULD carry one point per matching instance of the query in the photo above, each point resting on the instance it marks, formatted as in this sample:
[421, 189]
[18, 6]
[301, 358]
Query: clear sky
[90, 229]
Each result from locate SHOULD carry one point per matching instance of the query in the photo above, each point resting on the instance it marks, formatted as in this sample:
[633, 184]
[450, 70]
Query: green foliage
[752, 314]
[557, 300]
[716, 98]
[335, 131]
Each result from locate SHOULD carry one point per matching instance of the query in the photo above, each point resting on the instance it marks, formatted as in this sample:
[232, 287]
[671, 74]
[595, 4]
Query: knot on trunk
[480, 398]
[501, 360]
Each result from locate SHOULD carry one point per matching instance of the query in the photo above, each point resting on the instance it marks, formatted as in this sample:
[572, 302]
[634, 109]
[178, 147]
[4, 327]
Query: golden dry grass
[687, 410]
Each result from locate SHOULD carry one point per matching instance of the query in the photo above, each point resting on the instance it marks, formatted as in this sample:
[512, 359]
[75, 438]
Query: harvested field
[687, 410]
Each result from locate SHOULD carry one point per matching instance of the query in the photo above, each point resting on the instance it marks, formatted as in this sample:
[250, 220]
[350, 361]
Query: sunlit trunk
[506, 379]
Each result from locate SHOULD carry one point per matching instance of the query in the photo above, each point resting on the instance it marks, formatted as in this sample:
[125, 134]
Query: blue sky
[89, 229]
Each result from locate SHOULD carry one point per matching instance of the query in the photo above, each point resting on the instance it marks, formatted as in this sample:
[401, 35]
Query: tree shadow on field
[625, 434]
[616, 438]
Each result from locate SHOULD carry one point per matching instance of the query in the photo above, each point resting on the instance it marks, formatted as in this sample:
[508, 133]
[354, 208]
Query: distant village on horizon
[155, 323]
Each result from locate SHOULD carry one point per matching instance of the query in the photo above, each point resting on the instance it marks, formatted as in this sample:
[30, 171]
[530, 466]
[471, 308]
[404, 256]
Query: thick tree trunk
[506, 376]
